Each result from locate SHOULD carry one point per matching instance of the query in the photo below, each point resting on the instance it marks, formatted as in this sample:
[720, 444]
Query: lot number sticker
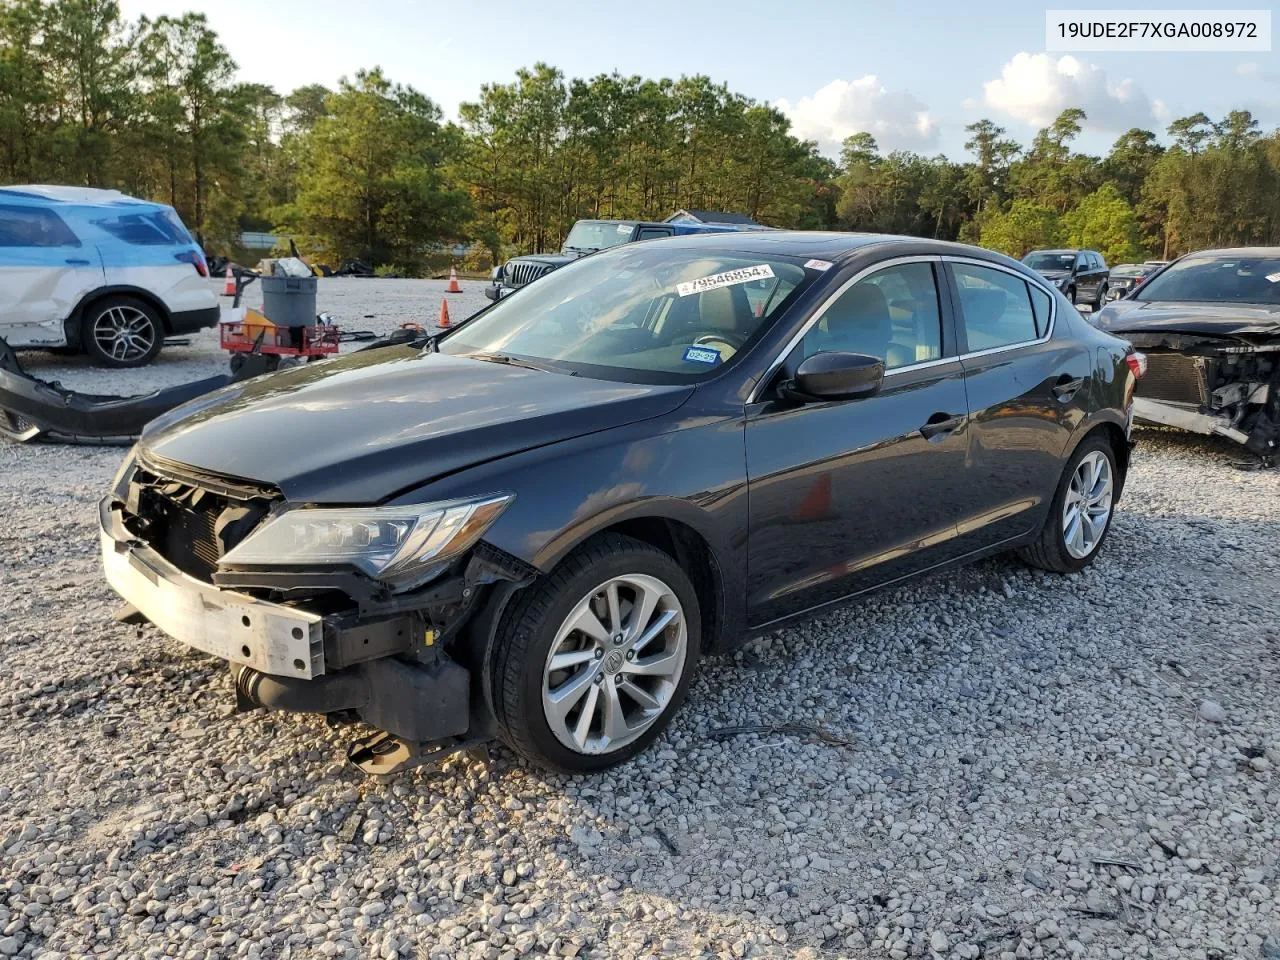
[818, 264]
[702, 355]
[729, 278]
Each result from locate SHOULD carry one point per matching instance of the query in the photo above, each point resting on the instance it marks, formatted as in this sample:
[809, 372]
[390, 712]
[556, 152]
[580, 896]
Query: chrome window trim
[911, 367]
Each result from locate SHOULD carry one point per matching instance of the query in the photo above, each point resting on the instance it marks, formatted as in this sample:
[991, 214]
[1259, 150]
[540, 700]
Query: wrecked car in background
[590, 236]
[98, 272]
[1209, 324]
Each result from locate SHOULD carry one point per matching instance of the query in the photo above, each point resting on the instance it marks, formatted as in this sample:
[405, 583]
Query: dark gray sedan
[534, 526]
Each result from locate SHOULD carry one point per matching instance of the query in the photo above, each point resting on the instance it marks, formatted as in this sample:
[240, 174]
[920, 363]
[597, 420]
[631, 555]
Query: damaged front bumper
[386, 670]
[1212, 386]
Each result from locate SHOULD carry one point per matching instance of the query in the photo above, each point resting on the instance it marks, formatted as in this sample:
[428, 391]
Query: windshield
[643, 313]
[1049, 261]
[1217, 280]
[597, 234]
[1129, 270]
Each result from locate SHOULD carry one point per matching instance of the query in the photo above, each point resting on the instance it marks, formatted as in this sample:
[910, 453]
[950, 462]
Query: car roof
[46, 194]
[1267, 252]
[824, 245]
[1060, 250]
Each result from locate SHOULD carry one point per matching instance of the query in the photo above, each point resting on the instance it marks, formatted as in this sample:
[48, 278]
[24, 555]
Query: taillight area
[1137, 364]
[195, 259]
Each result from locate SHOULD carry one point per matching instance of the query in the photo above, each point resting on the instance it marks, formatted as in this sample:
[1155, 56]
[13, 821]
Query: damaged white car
[1209, 324]
[96, 271]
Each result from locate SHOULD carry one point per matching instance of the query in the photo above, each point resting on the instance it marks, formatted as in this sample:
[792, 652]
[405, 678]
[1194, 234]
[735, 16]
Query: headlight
[403, 545]
[1063, 282]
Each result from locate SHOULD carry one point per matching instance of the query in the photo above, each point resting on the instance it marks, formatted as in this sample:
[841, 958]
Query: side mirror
[835, 375]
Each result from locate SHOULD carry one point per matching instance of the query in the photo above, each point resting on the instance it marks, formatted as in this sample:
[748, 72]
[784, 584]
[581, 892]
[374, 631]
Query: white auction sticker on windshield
[1274, 277]
[730, 278]
[818, 264]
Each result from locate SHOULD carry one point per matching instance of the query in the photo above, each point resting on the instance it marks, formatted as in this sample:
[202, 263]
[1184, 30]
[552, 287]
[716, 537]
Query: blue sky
[913, 73]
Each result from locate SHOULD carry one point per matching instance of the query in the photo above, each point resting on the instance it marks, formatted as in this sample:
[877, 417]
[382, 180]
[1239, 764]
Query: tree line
[371, 169]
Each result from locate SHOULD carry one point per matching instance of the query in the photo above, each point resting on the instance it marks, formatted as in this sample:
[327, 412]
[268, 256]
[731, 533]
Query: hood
[551, 259]
[1249, 320]
[1054, 275]
[362, 428]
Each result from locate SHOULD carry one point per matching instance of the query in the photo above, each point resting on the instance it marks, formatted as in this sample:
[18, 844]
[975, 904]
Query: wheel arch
[1121, 446]
[75, 319]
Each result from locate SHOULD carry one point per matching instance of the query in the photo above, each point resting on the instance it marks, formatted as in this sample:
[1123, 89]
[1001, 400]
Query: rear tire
[1063, 547]
[626, 687]
[121, 332]
[1102, 298]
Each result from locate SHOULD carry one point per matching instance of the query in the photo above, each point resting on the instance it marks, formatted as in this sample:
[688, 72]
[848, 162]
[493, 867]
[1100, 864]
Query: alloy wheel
[1087, 507]
[615, 663]
[124, 333]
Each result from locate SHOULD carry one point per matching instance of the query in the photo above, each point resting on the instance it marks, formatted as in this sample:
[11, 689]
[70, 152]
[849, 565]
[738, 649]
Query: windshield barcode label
[727, 279]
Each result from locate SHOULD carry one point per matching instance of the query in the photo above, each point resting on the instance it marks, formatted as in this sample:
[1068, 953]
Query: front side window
[1216, 280]
[34, 227]
[646, 313]
[995, 307]
[892, 314]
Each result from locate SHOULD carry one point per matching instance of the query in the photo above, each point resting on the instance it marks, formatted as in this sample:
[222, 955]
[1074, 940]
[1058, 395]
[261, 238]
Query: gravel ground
[1032, 766]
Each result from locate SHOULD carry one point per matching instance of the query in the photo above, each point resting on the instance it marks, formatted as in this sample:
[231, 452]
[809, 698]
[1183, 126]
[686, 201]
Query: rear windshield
[1130, 270]
[644, 313]
[1050, 261]
[1216, 280]
[151, 228]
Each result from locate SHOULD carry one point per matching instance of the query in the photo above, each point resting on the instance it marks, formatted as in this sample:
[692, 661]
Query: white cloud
[1037, 87]
[895, 118]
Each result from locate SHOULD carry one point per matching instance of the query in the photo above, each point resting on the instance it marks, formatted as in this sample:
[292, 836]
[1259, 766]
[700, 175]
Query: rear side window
[995, 307]
[153, 228]
[651, 233]
[1040, 302]
[34, 227]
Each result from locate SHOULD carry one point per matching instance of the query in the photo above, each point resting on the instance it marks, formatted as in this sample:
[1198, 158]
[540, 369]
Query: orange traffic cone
[229, 288]
[453, 282]
[443, 322]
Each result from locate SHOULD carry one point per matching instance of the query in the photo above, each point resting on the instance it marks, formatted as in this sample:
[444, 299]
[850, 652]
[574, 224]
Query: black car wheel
[595, 658]
[122, 332]
[1101, 301]
[1080, 516]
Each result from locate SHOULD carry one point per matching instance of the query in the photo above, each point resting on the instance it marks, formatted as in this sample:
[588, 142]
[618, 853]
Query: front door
[847, 495]
[44, 273]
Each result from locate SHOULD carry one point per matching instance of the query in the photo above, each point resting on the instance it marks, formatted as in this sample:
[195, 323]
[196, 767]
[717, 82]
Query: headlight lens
[403, 545]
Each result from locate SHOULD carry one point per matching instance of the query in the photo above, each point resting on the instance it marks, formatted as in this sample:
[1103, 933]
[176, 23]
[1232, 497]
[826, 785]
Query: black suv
[1082, 275]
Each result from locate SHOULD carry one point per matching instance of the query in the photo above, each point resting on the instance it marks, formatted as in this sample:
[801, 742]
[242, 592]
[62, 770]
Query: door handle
[77, 263]
[940, 425]
[1066, 387]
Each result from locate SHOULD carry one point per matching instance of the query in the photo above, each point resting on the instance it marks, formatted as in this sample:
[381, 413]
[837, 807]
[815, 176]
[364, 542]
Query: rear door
[1027, 385]
[845, 495]
[45, 271]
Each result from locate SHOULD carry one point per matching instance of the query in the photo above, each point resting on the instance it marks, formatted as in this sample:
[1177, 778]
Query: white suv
[97, 271]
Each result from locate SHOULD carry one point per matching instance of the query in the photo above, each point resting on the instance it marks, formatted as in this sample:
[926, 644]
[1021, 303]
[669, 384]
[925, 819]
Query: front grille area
[189, 526]
[519, 272]
[1175, 377]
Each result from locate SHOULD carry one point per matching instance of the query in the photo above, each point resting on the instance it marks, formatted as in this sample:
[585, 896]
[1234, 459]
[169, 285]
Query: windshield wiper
[519, 362]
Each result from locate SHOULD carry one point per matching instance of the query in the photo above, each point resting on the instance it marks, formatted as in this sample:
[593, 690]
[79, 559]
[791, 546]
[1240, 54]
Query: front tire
[121, 332]
[1083, 506]
[596, 658]
[1102, 298]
